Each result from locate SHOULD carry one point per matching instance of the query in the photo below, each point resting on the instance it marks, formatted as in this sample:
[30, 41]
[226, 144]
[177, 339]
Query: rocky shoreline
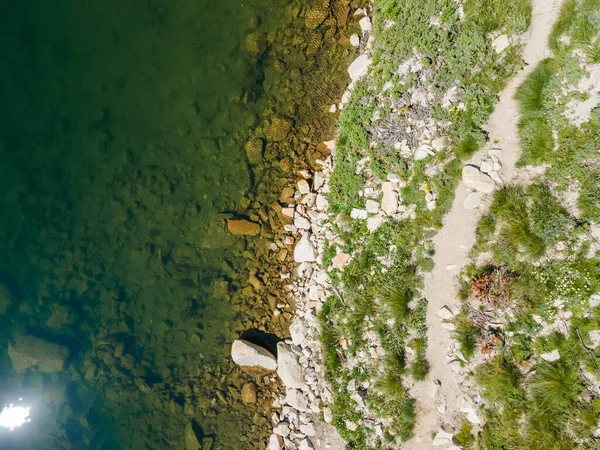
[302, 413]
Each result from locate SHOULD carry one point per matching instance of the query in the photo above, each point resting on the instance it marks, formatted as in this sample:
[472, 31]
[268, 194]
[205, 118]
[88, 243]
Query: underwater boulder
[28, 352]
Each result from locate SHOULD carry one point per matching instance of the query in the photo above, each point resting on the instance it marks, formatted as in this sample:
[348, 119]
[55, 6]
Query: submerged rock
[191, 440]
[248, 394]
[254, 151]
[247, 354]
[243, 227]
[278, 129]
[31, 352]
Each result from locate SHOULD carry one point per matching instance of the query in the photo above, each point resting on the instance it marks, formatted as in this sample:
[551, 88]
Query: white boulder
[288, 367]
[305, 250]
[247, 354]
[389, 201]
[477, 180]
[298, 331]
[552, 356]
[359, 67]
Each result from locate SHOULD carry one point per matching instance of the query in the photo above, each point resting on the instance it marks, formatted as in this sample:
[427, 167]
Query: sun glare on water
[13, 416]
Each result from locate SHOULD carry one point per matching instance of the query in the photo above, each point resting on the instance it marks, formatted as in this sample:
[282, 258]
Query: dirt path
[453, 242]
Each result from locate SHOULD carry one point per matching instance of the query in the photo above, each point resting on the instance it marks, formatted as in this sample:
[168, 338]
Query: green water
[122, 133]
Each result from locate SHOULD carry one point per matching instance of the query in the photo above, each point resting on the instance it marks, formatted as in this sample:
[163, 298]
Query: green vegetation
[546, 263]
[374, 327]
[466, 334]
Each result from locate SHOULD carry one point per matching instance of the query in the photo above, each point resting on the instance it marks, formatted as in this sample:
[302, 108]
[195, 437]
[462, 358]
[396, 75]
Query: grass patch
[466, 334]
[556, 387]
[530, 94]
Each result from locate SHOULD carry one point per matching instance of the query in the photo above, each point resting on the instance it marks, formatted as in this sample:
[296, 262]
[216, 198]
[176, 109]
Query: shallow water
[122, 132]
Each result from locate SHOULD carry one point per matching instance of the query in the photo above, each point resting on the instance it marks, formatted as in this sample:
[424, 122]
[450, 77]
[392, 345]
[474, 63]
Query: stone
[248, 394]
[442, 409]
[497, 163]
[359, 67]
[340, 260]
[595, 300]
[254, 151]
[501, 43]
[289, 369]
[302, 223]
[552, 356]
[594, 338]
[191, 440]
[487, 165]
[28, 352]
[365, 24]
[423, 152]
[442, 438]
[471, 415]
[308, 429]
[296, 399]
[282, 429]
[319, 180]
[305, 250]
[374, 222]
[473, 200]
[273, 443]
[496, 177]
[256, 43]
[595, 231]
[315, 17]
[303, 187]
[305, 444]
[243, 227]
[389, 201]
[247, 354]
[445, 313]
[298, 331]
[350, 425]
[372, 206]
[355, 40]
[359, 214]
[278, 129]
[327, 415]
[321, 203]
[477, 180]
[288, 212]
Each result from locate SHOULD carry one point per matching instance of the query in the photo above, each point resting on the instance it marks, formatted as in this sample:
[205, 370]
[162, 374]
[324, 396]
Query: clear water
[122, 132]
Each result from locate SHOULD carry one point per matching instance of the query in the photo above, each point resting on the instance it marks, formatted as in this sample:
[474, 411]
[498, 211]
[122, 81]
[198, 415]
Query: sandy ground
[456, 238]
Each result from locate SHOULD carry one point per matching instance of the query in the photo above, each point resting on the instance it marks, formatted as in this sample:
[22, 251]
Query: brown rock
[278, 129]
[254, 151]
[315, 17]
[248, 394]
[243, 227]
